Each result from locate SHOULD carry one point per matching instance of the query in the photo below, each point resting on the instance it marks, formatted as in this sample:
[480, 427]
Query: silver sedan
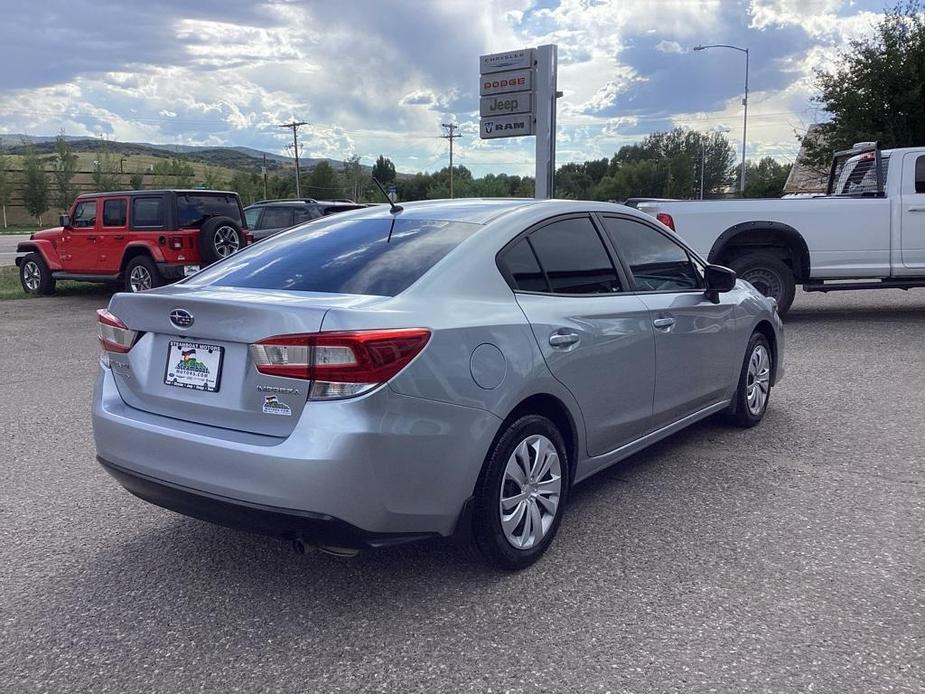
[452, 368]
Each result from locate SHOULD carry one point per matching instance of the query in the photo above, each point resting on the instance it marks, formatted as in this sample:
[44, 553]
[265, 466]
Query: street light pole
[744, 104]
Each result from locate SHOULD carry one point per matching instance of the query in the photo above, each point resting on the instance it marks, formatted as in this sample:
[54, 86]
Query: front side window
[574, 258]
[920, 174]
[193, 209]
[148, 213]
[276, 218]
[84, 215]
[114, 213]
[341, 256]
[656, 262]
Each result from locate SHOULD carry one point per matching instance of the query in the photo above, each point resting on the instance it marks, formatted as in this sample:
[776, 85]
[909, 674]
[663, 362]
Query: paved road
[8, 247]
[787, 558]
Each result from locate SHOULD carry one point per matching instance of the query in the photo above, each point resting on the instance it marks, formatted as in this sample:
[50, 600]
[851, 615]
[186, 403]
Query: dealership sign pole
[518, 98]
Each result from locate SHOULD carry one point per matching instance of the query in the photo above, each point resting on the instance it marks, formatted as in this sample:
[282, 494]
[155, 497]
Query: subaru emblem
[181, 318]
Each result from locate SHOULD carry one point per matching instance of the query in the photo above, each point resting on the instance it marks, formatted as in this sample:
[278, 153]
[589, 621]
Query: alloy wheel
[31, 275]
[758, 379]
[530, 492]
[226, 241]
[140, 279]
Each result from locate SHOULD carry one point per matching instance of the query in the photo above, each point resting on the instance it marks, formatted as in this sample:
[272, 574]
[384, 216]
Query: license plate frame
[199, 374]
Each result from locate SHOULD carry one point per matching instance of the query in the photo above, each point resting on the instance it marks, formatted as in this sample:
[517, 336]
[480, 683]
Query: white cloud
[669, 47]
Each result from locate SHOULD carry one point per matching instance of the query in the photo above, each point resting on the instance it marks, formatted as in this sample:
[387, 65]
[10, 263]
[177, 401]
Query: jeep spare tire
[219, 237]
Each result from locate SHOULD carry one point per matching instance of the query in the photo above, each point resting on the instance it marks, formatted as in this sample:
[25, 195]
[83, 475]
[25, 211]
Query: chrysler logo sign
[181, 318]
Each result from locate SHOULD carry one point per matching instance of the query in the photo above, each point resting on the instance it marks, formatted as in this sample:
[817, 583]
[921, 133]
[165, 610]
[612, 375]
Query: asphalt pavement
[785, 558]
[8, 247]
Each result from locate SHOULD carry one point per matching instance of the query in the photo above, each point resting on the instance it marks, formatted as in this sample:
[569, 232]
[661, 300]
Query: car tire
[141, 274]
[219, 237]
[35, 277]
[517, 507]
[754, 388]
[769, 275]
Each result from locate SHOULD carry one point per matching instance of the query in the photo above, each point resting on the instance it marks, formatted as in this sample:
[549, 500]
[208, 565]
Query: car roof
[145, 191]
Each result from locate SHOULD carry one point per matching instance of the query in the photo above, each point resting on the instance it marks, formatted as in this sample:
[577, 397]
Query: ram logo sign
[507, 126]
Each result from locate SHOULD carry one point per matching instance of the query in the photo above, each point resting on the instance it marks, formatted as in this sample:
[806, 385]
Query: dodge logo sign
[181, 318]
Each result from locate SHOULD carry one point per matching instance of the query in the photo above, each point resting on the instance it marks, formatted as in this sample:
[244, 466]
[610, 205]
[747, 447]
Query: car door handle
[663, 323]
[917, 209]
[91, 238]
[118, 238]
[563, 339]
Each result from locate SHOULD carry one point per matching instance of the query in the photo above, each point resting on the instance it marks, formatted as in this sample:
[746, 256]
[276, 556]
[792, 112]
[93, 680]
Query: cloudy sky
[375, 76]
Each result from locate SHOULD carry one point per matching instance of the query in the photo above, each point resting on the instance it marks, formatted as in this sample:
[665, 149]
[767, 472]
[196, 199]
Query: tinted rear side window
[147, 213]
[521, 269]
[114, 213]
[574, 258]
[347, 256]
[193, 209]
[275, 218]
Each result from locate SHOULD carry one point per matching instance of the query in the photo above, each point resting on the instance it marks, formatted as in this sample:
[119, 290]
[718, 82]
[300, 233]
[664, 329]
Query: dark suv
[269, 217]
[139, 238]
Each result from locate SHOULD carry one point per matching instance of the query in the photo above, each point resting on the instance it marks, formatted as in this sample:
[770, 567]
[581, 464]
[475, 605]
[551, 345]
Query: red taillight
[114, 335]
[339, 364]
[665, 219]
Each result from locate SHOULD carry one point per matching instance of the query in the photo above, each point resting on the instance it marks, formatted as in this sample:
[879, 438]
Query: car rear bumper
[384, 463]
[291, 524]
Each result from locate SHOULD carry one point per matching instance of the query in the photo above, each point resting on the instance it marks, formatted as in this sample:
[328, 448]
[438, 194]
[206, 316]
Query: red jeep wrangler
[141, 238]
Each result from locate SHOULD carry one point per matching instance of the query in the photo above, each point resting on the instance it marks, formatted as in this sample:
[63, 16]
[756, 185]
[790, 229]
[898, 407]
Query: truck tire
[35, 277]
[141, 274]
[769, 275]
[219, 237]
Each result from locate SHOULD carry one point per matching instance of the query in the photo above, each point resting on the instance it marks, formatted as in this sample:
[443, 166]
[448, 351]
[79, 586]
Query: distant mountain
[245, 158]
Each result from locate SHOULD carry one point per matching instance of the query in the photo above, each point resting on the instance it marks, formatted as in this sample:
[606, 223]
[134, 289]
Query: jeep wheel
[141, 274]
[219, 237]
[769, 275]
[35, 276]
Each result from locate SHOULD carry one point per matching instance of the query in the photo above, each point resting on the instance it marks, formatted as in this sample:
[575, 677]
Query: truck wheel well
[783, 241]
[133, 252]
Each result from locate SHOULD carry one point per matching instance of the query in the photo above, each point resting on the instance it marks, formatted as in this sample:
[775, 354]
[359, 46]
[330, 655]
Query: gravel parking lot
[785, 558]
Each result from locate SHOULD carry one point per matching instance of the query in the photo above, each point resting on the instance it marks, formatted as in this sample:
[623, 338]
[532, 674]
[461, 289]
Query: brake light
[114, 335]
[176, 243]
[339, 364]
[666, 219]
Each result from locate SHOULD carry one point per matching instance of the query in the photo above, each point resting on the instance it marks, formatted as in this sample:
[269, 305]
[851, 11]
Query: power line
[451, 135]
[295, 150]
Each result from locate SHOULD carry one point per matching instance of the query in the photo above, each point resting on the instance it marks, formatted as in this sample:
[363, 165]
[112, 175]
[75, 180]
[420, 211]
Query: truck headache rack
[857, 172]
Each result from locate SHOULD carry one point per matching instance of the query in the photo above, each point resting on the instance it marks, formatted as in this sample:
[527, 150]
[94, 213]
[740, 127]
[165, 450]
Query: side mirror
[718, 279]
[64, 221]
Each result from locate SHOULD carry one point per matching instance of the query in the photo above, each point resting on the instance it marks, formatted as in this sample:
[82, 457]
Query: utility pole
[451, 135]
[264, 172]
[295, 148]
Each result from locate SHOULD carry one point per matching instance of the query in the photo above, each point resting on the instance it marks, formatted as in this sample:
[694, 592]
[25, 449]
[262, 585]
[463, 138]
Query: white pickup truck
[867, 232]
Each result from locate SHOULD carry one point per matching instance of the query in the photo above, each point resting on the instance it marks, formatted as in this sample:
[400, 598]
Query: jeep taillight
[176, 243]
[114, 335]
[339, 364]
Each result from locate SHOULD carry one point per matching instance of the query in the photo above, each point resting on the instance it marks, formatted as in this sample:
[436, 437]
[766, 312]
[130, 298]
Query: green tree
[354, 178]
[875, 89]
[105, 169]
[6, 185]
[35, 183]
[322, 182]
[212, 178]
[384, 170]
[280, 186]
[173, 173]
[64, 166]
[766, 178]
[248, 185]
[137, 179]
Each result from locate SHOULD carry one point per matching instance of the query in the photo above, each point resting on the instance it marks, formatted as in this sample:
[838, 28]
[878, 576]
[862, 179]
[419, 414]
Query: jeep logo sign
[507, 126]
[506, 104]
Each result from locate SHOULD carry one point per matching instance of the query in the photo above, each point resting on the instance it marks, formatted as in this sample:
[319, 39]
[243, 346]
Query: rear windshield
[193, 209]
[341, 256]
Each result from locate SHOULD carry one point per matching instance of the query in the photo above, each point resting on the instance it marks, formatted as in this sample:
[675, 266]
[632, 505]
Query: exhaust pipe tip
[300, 547]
